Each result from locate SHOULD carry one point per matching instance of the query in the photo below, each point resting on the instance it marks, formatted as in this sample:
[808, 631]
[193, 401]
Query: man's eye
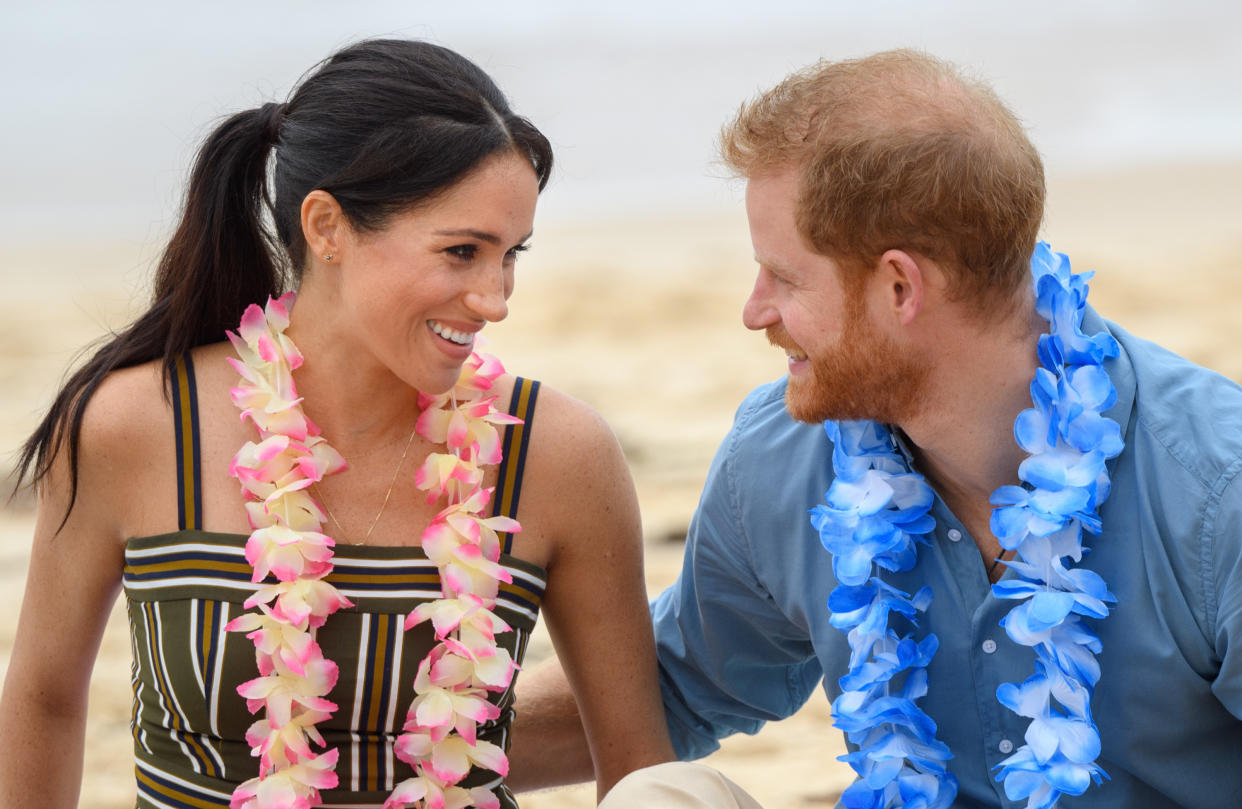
[775, 276]
[465, 252]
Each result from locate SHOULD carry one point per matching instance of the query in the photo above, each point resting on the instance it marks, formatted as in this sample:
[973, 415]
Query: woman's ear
[323, 226]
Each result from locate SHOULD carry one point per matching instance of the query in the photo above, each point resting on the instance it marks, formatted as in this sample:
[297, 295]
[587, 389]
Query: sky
[105, 103]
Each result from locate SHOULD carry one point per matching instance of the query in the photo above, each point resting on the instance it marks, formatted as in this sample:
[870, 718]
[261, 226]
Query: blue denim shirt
[743, 635]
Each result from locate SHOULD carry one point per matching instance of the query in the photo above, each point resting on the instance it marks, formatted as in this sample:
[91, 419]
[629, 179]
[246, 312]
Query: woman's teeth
[462, 338]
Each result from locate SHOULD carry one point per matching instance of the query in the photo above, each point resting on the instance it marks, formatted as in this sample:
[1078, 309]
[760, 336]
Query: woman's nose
[488, 300]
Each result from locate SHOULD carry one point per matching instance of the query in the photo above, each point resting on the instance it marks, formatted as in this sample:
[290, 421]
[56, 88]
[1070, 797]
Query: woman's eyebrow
[481, 235]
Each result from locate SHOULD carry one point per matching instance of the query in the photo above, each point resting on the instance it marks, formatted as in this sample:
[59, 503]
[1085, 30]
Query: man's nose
[758, 313]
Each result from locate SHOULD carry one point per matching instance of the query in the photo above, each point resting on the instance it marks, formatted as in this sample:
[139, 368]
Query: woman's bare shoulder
[577, 474]
[566, 429]
[127, 411]
[124, 435]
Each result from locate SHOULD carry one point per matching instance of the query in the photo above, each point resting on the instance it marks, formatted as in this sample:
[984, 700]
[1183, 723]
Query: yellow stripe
[187, 444]
[395, 579]
[523, 592]
[172, 794]
[515, 445]
[142, 568]
[135, 677]
[205, 635]
[383, 628]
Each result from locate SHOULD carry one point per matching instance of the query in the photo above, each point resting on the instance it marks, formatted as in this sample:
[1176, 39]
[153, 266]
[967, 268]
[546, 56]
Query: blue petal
[1090, 583]
[1079, 741]
[1068, 777]
[1049, 608]
[1009, 496]
[860, 796]
[1016, 588]
[1042, 739]
[853, 568]
[1030, 430]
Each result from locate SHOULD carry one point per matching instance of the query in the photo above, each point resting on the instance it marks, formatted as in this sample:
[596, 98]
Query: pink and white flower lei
[440, 739]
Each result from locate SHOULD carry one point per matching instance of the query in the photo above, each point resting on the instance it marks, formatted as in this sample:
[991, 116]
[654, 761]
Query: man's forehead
[778, 182]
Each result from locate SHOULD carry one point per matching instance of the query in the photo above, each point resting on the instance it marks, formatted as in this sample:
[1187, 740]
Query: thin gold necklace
[387, 495]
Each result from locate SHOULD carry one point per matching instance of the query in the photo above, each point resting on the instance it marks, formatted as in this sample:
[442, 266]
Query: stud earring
[328, 256]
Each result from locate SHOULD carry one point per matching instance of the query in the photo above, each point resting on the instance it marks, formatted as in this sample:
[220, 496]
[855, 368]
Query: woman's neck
[356, 401]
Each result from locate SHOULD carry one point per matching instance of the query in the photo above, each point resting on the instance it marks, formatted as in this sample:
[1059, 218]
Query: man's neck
[962, 436]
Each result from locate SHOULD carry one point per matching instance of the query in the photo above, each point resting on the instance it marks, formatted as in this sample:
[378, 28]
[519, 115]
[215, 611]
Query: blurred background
[632, 294]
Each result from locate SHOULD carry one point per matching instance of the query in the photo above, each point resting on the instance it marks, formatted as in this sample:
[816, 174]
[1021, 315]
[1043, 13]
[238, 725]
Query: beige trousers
[677, 785]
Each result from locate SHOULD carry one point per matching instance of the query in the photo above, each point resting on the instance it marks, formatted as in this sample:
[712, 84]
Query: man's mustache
[779, 337]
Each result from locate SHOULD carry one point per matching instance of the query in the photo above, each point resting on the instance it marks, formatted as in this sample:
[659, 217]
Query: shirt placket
[993, 658]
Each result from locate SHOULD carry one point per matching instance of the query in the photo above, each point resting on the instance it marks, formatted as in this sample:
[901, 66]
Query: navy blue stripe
[195, 476]
[237, 558]
[510, 598]
[138, 576]
[212, 629]
[395, 623]
[174, 787]
[179, 437]
[426, 569]
[431, 587]
[530, 420]
[506, 452]
[519, 458]
[154, 795]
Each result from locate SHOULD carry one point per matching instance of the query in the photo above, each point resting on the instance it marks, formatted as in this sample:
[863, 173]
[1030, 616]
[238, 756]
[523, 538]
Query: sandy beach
[641, 319]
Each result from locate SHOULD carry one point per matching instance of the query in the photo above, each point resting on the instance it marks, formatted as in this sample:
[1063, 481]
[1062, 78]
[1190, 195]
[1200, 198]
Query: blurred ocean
[103, 103]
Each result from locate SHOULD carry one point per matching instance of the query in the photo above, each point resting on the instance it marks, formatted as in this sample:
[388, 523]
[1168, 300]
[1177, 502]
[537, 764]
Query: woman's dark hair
[382, 126]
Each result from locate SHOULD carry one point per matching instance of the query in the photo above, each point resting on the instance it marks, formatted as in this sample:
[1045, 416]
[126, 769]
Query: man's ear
[323, 226]
[902, 285]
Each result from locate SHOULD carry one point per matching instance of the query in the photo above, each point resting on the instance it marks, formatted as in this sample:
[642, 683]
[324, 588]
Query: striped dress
[189, 722]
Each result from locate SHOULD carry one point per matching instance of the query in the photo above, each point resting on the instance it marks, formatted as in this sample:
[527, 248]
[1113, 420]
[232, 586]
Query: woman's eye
[514, 252]
[465, 252]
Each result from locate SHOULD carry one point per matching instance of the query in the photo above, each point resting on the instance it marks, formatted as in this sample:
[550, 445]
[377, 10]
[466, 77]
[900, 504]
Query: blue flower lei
[878, 511]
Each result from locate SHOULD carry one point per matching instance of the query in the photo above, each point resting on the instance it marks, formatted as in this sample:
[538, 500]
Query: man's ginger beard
[865, 376]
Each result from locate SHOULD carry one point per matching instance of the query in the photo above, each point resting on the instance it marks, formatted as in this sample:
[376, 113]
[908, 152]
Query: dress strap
[185, 427]
[517, 439]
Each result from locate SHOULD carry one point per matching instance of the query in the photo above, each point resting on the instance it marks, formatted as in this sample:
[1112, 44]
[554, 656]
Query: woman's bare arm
[71, 584]
[596, 609]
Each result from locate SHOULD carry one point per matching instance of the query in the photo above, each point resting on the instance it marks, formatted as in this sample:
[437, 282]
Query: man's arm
[1227, 587]
[549, 745]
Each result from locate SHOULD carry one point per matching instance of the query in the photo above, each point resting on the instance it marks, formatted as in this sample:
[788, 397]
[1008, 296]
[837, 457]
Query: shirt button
[955, 535]
[989, 646]
[1005, 746]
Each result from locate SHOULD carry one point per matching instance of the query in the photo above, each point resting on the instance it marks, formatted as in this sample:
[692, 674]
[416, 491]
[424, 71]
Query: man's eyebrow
[481, 235]
[770, 263]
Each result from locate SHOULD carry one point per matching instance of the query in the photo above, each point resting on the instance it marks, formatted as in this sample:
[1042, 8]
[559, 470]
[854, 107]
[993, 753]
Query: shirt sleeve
[1225, 580]
[729, 658]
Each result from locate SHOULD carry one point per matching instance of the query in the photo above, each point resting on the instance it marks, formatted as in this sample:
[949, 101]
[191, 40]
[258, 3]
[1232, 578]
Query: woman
[402, 189]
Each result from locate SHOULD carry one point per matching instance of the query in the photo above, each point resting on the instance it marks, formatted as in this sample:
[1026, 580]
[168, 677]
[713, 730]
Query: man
[893, 208]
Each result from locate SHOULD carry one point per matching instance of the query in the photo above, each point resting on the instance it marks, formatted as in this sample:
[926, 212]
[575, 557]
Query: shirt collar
[1120, 371]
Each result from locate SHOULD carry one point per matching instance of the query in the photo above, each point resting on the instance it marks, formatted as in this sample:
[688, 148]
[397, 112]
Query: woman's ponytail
[220, 258]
